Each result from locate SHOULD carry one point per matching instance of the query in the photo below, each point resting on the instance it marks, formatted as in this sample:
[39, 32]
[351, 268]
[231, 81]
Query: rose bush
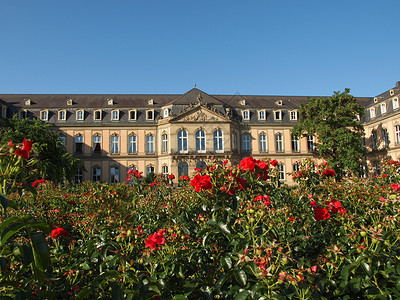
[232, 232]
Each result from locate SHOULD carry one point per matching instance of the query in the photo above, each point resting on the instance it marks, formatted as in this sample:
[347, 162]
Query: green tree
[334, 122]
[54, 161]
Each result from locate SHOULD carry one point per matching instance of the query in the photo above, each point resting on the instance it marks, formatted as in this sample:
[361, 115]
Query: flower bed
[231, 232]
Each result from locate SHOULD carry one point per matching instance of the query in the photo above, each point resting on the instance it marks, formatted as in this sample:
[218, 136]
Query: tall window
[182, 141]
[97, 115]
[114, 175]
[78, 176]
[132, 115]
[234, 142]
[296, 168]
[397, 134]
[295, 144]
[372, 112]
[218, 141]
[164, 143]
[293, 115]
[385, 138]
[183, 169]
[310, 143]
[261, 114]
[44, 115]
[79, 144]
[246, 143]
[281, 169]
[96, 174]
[263, 142]
[96, 144]
[395, 103]
[79, 115]
[374, 140]
[150, 115]
[115, 115]
[383, 108]
[246, 114]
[165, 170]
[62, 115]
[377, 168]
[149, 144]
[200, 141]
[114, 144]
[132, 147]
[279, 142]
[278, 115]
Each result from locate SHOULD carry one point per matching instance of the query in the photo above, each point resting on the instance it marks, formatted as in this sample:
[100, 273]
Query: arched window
[183, 168]
[201, 165]
[182, 141]
[200, 141]
[218, 141]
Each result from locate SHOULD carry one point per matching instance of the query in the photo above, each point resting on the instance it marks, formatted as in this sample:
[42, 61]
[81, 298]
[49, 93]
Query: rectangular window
[149, 169]
[293, 115]
[246, 143]
[200, 141]
[261, 115]
[4, 111]
[279, 142]
[296, 168]
[44, 115]
[114, 175]
[165, 170]
[79, 144]
[374, 140]
[395, 103]
[149, 144]
[97, 144]
[115, 115]
[278, 115]
[182, 141]
[263, 143]
[383, 108]
[96, 174]
[218, 141]
[132, 115]
[150, 115]
[62, 115]
[281, 169]
[310, 143]
[97, 115]
[234, 142]
[372, 112]
[132, 144]
[295, 144]
[166, 113]
[385, 138]
[78, 176]
[246, 115]
[164, 143]
[79, 115]
[114, 144]
[397, 134]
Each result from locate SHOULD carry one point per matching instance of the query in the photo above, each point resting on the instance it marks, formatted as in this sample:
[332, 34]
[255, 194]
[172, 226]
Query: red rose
[55, 233]
[155, 239]
[201, 182]
[263, 165]
[321, 213]
[172, 176]
[395, 186]
[274, 162]
[248, 163]
[328, 173]
[24, 152]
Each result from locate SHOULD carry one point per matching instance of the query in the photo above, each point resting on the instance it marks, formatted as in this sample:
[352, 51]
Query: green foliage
[54, 162]
[333, 121]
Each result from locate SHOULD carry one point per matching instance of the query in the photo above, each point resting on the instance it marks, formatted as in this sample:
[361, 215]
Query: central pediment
[200, 114]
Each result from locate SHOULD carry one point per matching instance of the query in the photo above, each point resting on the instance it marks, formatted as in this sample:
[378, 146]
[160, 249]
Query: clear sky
[296, 47]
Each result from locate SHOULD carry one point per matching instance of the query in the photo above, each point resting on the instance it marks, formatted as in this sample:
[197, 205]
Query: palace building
[173, 134]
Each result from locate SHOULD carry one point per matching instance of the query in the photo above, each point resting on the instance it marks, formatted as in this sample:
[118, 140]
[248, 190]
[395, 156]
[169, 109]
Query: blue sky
[227, 47]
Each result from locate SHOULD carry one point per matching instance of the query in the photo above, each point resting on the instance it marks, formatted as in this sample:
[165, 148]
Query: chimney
[398, 84]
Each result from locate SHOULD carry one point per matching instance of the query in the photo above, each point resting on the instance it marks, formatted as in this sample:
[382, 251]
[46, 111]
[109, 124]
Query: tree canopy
[334, 121]
[54, 161]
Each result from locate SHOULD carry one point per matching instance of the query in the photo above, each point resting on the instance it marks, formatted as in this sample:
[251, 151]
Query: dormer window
[372, 112]
[115, 115]
[110, 101]
[150, 115]
[261, 115]
[246, 115]
[4, 111]
[383, 108]
[97, 115]
[279, 102]
[150, 102]
[293, 115]
[27, 101]
[69, 102]
[278, 115]
[23, 114]
[166, 113]
[44, 115]
[62, 115]
[132, 115]
[395, 103]
[242, 102]
[80, 115]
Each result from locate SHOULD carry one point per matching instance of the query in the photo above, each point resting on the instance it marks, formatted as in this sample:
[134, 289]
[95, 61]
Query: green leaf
[116, 291]
[242, 295]
[4, 200]
[355, 285]
[41, 253]
[84, 294]
[226, 262]
[5, 223]
[224, 228]
[10, 231]
[240, 277]
[367, 269]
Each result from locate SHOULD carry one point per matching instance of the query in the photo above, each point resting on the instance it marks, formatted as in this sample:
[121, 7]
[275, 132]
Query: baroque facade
[173, 134]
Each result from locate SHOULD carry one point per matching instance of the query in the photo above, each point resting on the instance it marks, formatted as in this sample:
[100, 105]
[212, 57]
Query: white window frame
[130, 117]
[246, 143]
[281, 168]
[182, 141]
[44, 115]
[114, 174]
[201, 141]
[132, 144]
[4, 111]
[150, 144]
[164, 143]
[263, 143]
[96, 173]
[62, 115]
[296, 167]
[279, 143]
[278, 115]
[218, 141]
[96, 140]
[166, 113]
[397, 134]
[383, 108]
[246, 115]
[100, 112]
[114, 144]
[295, 145]
[79, 139]
[152, 115]
[372, 112]
[385, 137]
[164, 170]
[262, 115]
[80, 115]
[395, 102]
[310, 143]
[115, 115]
[293, 115]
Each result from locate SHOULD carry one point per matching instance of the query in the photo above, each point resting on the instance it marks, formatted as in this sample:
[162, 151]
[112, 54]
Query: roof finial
[195, 84]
